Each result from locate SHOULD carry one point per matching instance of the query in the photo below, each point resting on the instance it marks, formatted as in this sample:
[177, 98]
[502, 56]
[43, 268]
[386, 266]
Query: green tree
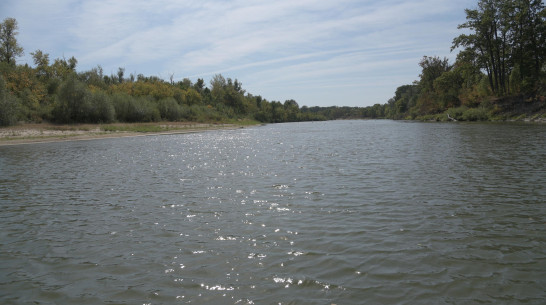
[73, 104]
[9, 48]
[432, 68]
[41, 60]
[62, 69]
[8, 105]
[185, 84]
[169, 109]
[199, 86]
[100, 108]
[217, 88]
[447, 87]
[404, 98]
[277, 112]
[292, 110]
[121, 72]
[193, 97]
[527, 38]
[506, 34]
[94, 78]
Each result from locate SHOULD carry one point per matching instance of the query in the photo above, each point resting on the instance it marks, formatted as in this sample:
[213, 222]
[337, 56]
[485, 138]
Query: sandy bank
[40, 133]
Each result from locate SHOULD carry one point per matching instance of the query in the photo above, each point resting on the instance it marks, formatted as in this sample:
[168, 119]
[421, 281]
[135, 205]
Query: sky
[317, 52]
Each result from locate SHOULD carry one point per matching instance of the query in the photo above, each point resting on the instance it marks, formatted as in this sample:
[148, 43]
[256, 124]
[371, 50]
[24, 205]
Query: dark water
[342, 212]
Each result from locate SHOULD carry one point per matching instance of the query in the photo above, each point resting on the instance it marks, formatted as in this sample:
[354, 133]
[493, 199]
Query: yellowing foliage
[158, 90]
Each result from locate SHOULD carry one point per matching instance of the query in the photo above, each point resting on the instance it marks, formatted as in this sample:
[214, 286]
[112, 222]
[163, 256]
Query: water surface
[340, 212]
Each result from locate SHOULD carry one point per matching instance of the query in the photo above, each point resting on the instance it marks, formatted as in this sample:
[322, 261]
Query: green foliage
[101, 108]
[506, 35]
[405, 98]
[170, 110]
[9, 48]
[475, 114]
[77, 104]
[143, 109]
[8, 105]
[201, 113]
[503, 53]
[41, 60]
[432, 69]
[457, 112]
[505, 40]
[447, 87]
[73, 105]
[131, 109]
[63, 69]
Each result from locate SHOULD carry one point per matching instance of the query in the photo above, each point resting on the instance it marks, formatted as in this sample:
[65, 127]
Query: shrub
[169, 109]
[9, 106]
[475, 114]
[72, 105]
[131, 109]
[101, 108]
[456, 113]
[145, 110]
[122, 103]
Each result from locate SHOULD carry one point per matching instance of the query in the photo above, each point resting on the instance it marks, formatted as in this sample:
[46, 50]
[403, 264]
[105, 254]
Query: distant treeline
[500, 68]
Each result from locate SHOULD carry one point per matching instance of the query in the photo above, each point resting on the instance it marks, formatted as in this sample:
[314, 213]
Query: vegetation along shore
[499, 75]
[45, 132]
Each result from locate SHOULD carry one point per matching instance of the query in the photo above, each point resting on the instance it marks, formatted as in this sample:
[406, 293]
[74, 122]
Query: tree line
[499, 72]
[500, 66]
[54, 91]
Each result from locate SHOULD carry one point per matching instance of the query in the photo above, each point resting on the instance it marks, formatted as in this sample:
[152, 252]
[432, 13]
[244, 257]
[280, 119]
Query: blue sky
[318, 52]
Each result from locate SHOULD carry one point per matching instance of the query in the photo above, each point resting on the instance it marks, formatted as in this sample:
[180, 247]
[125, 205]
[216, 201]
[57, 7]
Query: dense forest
[499, 74]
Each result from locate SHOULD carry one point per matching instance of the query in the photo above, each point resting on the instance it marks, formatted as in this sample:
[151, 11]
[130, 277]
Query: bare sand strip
[43, 133]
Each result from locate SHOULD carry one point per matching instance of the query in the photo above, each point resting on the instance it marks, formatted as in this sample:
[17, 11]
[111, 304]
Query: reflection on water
[344, 212]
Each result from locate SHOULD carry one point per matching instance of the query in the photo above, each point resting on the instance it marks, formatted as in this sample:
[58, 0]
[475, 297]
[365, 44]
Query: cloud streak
[308, 50]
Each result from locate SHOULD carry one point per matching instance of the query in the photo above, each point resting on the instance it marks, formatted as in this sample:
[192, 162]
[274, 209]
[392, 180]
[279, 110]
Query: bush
[475, 114]
[9, 106]
[72, 105]
[169, 109]
[122, 103]
[145, 110]
[456, 113]
[101, 109]
[130, 109]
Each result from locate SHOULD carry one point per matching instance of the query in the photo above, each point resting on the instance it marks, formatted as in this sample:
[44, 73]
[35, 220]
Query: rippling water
[341, 212]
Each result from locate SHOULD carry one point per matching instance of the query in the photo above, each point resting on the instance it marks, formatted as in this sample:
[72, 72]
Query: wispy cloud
[311, 50]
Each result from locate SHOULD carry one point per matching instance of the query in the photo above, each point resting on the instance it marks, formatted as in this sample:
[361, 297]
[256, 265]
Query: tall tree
[41, 60]
[484, 42]
[9, 48]
[218, 85]
[528, 40]
[432, 68]
[121, 72]
[506, 35]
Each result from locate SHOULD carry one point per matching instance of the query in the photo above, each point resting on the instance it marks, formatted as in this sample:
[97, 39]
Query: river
[338, 212]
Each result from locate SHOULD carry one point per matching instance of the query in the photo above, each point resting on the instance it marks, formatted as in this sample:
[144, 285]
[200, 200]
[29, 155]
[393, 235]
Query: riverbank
[39, 133]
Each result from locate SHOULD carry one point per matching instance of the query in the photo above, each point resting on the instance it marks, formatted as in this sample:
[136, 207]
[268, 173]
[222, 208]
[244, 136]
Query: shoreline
[49, 133]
